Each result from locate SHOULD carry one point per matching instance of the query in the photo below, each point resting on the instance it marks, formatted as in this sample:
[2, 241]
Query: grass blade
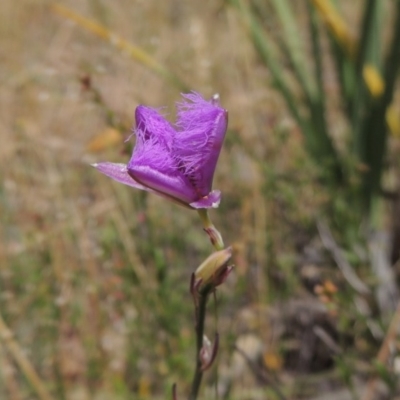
[336, 26]
[317, 142]
[316, 52]
[343, 49]
[360, 97]
[295, 50]
[269, 57]
[318, 105]
[314, 97]
[375, 130]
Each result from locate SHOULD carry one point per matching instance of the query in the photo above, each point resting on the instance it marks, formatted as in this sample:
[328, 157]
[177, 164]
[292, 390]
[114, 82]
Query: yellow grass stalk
[22, 361]
[336, 25]
[374, 80]
[393, 120]
[133, 51]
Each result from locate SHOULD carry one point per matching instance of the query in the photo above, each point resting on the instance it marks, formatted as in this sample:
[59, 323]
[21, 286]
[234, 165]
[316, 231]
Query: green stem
[359, 100]
[212, 232]
[200, 320]
[375, 130]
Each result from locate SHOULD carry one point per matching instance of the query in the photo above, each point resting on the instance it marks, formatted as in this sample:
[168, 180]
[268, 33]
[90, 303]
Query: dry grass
[94, 277]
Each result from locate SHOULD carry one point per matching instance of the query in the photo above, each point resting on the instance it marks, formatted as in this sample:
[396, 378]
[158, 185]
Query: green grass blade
[318, 143]
[295, 50]
[360, 97]
[367, 32]
[342, 48]
[346, 76]
[374, 145]
[314, 96]
[318, 105]
[316, 52]
[269, 57]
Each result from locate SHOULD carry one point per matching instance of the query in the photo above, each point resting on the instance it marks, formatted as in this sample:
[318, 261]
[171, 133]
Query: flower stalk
[177, 161]
[201, 307]
[210, 274]
[212, 232]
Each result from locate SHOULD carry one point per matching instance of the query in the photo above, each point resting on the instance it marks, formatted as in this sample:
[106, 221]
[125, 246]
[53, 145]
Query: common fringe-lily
[176, 161]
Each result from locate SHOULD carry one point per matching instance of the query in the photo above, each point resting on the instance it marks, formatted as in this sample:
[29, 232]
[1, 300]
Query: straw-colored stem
[384, 352]
[134, 51]
[21, 360]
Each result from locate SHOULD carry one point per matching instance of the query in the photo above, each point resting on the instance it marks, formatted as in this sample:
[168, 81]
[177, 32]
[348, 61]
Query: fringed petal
[153, 126]
[201, 129]
[176, 163]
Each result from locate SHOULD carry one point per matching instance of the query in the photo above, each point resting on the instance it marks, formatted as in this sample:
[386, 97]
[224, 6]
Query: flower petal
[153, 163]
[212, 200]
[170, 185]
[119, 173]
[177, 164]
[152, 125]
[202, 126]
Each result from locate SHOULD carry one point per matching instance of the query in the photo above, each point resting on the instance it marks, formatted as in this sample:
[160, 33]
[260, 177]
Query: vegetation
[95, 299]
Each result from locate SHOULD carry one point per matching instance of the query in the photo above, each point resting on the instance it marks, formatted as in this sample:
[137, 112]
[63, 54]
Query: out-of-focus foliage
[94, 277]
[366, 71]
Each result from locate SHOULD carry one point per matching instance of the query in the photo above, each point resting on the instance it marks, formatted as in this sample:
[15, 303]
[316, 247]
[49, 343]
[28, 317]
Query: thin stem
[133, 51]
[212, 232]
[22, 361]
[200, 320]
[174, 394]
[384, 353]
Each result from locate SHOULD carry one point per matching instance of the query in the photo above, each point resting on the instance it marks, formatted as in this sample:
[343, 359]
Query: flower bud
[208, 352]
[214, 270]
[205, 351]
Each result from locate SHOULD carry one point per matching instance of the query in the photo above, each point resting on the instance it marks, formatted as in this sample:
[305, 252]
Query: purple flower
[176, 161]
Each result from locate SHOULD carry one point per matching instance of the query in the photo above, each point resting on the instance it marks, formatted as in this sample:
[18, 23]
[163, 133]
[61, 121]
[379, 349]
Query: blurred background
[94, 276]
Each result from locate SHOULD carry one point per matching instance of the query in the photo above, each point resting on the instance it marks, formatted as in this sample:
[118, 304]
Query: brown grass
[94, 276]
